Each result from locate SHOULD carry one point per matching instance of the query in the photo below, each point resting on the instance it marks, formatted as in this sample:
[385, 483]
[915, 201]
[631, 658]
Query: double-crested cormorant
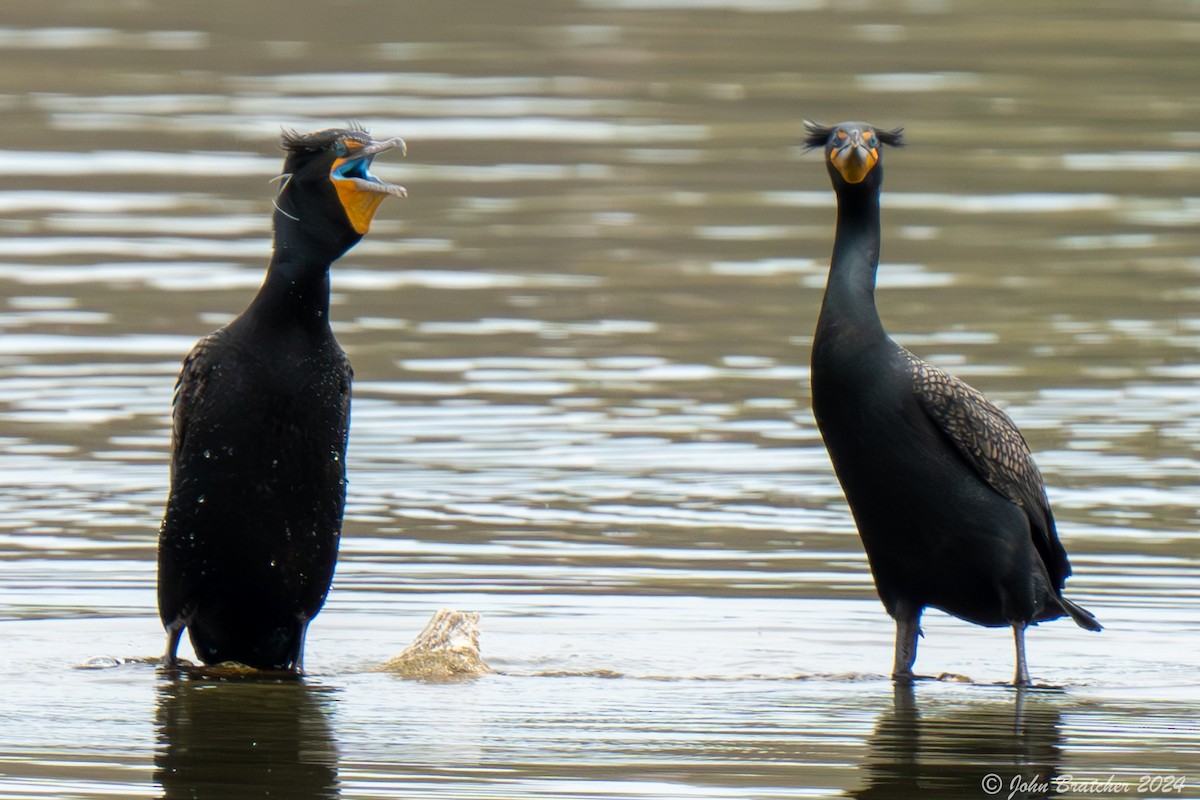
[249, 540]
[950, 506]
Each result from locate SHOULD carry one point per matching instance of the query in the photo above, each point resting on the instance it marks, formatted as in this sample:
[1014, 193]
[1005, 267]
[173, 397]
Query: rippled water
[581, 401]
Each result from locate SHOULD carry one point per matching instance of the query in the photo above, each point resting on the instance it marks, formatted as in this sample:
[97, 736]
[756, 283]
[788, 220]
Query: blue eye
[339, 149]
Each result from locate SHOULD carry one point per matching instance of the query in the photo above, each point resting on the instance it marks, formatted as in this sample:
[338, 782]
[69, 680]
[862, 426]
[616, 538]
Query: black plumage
[950, 506]
[249, 539]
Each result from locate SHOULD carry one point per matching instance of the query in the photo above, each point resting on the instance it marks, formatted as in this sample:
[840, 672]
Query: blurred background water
[581, 402]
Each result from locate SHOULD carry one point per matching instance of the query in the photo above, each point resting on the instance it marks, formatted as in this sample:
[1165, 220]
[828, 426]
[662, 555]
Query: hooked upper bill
[359, 191]
[854, 153]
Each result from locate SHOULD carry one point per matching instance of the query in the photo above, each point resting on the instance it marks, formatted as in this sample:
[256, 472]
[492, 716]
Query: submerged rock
[446, 650]
[101, 662]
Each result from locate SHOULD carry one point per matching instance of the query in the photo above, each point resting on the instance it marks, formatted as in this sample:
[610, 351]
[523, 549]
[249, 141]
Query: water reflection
[222, 739]
[951, 751]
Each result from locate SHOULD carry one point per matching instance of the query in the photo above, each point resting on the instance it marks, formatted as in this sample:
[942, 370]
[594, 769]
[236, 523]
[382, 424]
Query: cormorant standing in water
[950, 506]
[249, 540]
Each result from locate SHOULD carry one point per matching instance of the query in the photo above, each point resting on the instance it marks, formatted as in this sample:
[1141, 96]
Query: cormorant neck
[296, 289]
[299, 283]
[850, 291]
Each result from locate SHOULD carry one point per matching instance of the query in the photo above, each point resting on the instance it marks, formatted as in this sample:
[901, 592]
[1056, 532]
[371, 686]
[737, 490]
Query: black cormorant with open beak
[249, 540]
[950, 506]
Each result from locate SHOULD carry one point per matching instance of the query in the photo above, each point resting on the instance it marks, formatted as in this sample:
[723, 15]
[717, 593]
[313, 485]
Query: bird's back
[936, 532]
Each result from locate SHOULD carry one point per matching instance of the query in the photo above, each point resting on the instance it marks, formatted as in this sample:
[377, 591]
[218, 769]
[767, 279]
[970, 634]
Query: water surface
[581, 402]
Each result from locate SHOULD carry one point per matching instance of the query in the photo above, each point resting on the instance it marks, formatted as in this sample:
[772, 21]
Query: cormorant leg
[174, 633]
[1022, 677]
[298, 654]
[908, 628]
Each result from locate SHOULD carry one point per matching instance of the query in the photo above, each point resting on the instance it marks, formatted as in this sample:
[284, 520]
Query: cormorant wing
[188, 390]
[991, 443]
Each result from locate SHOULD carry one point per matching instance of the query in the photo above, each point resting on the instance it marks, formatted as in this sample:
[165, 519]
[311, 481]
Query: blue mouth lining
[355, 168]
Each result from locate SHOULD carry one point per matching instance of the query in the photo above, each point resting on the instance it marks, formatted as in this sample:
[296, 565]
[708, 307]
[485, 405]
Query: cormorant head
[327, 195]
[852, 149]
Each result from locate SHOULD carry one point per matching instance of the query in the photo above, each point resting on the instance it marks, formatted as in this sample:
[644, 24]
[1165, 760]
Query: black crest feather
[295, 142]
[817, 135]
[892, 138]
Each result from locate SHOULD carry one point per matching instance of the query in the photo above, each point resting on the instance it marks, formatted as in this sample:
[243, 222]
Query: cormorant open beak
[359, 190]
[852, 156]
